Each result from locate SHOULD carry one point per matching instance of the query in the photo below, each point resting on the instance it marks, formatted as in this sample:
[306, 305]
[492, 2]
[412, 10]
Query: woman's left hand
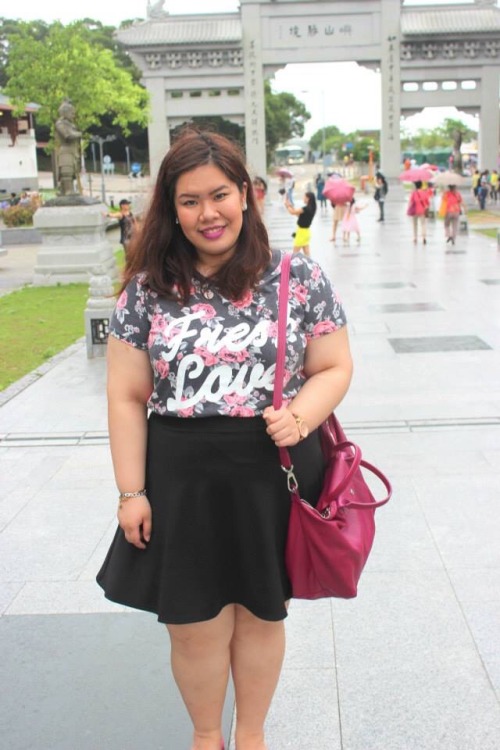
[281, 426]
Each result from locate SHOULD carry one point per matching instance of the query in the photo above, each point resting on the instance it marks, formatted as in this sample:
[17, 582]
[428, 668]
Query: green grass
[35, 324]
[487, 232]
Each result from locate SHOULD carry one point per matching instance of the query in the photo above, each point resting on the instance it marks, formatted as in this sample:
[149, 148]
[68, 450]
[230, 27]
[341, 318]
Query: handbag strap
[286, 261]
[336, 433]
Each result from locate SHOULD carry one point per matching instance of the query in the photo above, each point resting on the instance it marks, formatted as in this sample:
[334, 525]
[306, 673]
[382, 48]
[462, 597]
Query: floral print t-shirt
[216, 356]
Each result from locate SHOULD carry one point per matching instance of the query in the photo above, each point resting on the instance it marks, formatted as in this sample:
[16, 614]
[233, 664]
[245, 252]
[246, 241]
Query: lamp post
[98, 139]
[323, 127]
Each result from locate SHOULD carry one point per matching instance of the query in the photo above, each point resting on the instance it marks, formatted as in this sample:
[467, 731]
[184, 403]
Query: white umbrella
[448, 178]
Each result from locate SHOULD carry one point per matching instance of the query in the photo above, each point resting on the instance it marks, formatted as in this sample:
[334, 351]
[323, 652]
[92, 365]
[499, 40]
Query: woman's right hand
[135, 518]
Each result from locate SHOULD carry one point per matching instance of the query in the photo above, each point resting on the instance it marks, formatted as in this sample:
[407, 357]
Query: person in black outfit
[302, 236]
[381, 189]
[126, 222]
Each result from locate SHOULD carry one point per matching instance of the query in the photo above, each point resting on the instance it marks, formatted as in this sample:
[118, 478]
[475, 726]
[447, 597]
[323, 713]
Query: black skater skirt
[220, 509]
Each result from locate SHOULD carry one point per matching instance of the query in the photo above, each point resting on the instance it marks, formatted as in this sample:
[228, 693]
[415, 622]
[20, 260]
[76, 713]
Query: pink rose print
[187, 412]
[207, 310]
[162, 368]
[273, 329]
[158, 324]
[241, 411]
[207, 357]
[232, 399]
[300, 294]
[246, 301]
[227, 356]
[122, 300]
[316, 273]
[324, 326]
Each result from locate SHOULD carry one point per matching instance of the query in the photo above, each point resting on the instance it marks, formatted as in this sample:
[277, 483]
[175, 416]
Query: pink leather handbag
[330, 538]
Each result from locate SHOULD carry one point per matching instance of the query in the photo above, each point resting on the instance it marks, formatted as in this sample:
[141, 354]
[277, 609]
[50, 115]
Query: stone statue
[155, 9]
[67, 139]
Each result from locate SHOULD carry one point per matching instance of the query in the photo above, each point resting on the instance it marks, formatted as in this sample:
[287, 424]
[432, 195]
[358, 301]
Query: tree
[330, 132]
[286, 118]
[455, 131]
[67, 64]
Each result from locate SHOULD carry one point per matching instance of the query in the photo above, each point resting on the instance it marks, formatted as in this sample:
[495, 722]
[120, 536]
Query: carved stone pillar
[489, 119]
[255, 123]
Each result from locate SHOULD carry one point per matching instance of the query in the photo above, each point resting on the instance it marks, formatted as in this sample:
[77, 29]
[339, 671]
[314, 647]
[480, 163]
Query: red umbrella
[338, 191]
[283, 172]
[417, 174]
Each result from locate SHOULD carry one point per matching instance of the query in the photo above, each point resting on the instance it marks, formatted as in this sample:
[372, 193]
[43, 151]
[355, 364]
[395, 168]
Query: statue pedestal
[74, 244]
[100, 305]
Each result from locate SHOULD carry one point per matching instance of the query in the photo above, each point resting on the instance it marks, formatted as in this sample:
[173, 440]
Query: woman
[302, 236]
[260, 191]
[452, 206]
[204, 505]
[381, 190]
[418, 205]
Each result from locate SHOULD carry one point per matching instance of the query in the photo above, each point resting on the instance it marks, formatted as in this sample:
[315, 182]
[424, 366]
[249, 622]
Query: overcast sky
[352, 101]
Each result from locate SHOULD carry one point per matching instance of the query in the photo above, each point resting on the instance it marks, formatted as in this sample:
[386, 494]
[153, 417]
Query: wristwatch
[302, 426]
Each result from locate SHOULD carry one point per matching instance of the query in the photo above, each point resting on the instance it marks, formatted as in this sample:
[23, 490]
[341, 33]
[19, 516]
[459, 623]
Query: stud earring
[176, 220]
[244, 206]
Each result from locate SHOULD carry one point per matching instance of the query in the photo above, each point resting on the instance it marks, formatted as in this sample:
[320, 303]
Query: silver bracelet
[126, 495]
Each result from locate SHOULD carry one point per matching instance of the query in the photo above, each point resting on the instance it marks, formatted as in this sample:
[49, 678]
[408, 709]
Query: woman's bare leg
[257, 651]
[200, 665]
[306, 251]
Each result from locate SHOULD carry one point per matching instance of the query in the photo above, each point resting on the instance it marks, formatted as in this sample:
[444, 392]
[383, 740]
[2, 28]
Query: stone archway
[214, 64]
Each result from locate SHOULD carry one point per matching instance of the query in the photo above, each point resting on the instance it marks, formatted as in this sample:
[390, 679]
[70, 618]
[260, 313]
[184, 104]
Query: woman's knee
[199, 636]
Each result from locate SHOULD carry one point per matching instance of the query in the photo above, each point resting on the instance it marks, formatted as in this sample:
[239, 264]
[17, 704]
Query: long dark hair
[311, 203]
[160, 249]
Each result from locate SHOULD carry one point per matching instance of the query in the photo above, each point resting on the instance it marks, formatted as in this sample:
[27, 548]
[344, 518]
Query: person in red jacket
[418, 206]
[453, 207]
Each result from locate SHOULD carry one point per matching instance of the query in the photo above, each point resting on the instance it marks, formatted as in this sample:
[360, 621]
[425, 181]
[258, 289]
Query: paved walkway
[414, 662]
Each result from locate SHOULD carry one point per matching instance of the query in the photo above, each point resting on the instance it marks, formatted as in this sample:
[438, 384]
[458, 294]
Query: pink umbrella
[338, 191]
[417, 174]
[283, 172]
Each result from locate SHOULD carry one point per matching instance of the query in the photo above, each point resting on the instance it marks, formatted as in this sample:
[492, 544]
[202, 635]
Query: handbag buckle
[291, 479]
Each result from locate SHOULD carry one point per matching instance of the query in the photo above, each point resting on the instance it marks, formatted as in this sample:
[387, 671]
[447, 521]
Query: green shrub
[19, 216]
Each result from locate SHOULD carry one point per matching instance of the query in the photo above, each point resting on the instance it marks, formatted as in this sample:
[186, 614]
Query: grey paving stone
[437, 344]
[309, 635]
[89, 682]
[386, 285]
[463, 517]
[61, 598]
[8, 592]
[409, 307]
[411, 677]
[490, 282]
[304, 712]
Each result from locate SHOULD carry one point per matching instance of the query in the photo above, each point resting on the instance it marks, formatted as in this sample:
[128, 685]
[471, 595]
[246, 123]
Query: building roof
[6, 105]
[455, 20]
[218, 28]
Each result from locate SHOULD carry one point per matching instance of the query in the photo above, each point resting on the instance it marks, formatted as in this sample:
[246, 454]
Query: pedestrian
[338, 214]
[350, 221]
[452, 205]
[204, 504]
[320, 186]
[381, 190]
[494, 186]
[418, 206]
[475, 182]
[302, 235]
[127, 223]
[483, 189]
[260, 191]
[289, 187]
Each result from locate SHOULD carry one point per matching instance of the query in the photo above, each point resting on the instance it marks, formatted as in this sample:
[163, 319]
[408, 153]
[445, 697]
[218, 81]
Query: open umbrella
[283, 172]
[448, 178]
[417, 174]
[338, 191]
